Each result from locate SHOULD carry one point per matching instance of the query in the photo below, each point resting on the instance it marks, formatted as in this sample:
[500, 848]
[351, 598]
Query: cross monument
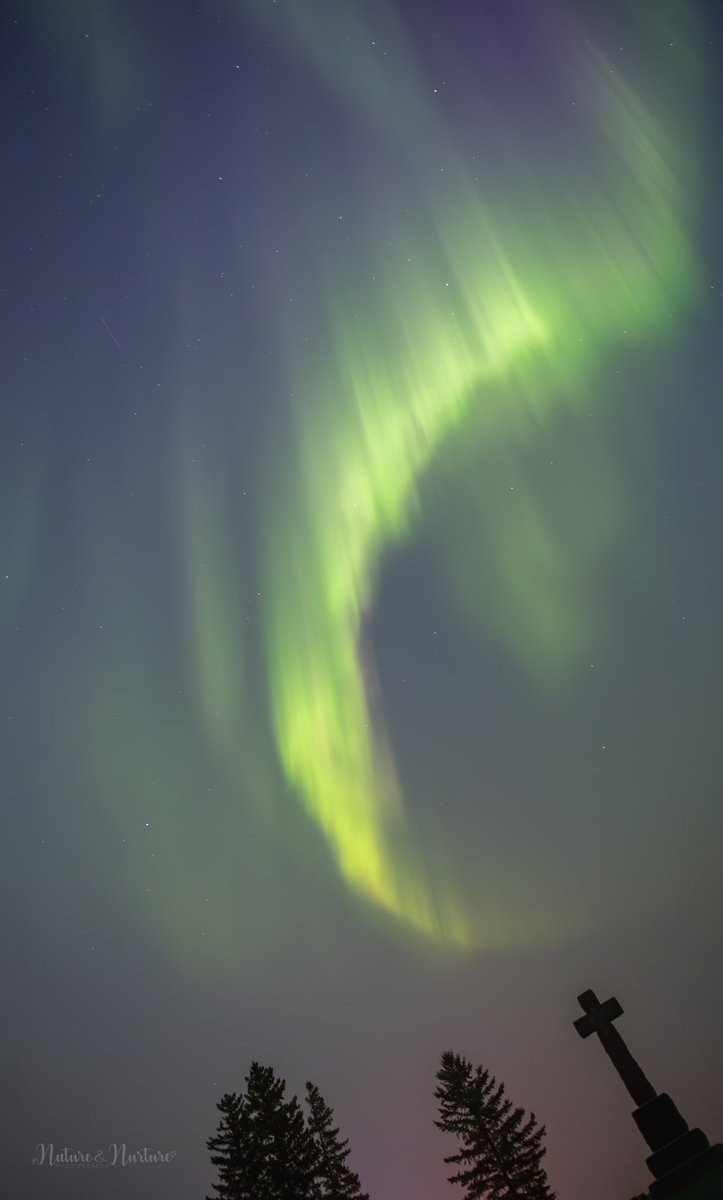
[683, 1162]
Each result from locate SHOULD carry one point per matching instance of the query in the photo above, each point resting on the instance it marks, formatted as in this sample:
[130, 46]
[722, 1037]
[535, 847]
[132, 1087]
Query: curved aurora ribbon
[504, 308]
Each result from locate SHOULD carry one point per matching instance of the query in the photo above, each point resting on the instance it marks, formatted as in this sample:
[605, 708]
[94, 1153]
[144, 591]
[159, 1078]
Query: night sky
[360, 572]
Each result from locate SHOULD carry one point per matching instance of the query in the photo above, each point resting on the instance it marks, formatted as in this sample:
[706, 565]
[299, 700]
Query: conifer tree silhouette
[262, 1149]
[227, 1148]
[335, 1180]
[500, 1152]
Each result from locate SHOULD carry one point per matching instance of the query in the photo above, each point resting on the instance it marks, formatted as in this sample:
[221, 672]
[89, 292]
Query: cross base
[678, 1153]
[685, 1165]
[660, 1122]
[700, 1178]
[667, 1133]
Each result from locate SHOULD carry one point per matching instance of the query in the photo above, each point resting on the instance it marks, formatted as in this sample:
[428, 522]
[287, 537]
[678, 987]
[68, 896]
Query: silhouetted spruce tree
[335, 1180]
[501, 1152]
[263, 1149]
[227, 1148]
[296, 1159]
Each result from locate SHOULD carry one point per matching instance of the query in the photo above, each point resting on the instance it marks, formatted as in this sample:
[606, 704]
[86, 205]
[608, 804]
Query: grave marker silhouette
[685, 1165]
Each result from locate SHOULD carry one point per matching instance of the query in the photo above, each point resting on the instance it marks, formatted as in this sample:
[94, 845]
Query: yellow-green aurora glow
[498, 300]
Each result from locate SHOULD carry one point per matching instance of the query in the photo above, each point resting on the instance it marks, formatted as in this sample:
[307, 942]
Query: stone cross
[599, 1019]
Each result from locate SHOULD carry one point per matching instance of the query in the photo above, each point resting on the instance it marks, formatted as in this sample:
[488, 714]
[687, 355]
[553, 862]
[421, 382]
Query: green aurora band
[488, 306]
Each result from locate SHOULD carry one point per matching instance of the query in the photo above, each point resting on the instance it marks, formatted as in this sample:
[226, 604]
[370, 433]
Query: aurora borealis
[506, 316]
[361, 589]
